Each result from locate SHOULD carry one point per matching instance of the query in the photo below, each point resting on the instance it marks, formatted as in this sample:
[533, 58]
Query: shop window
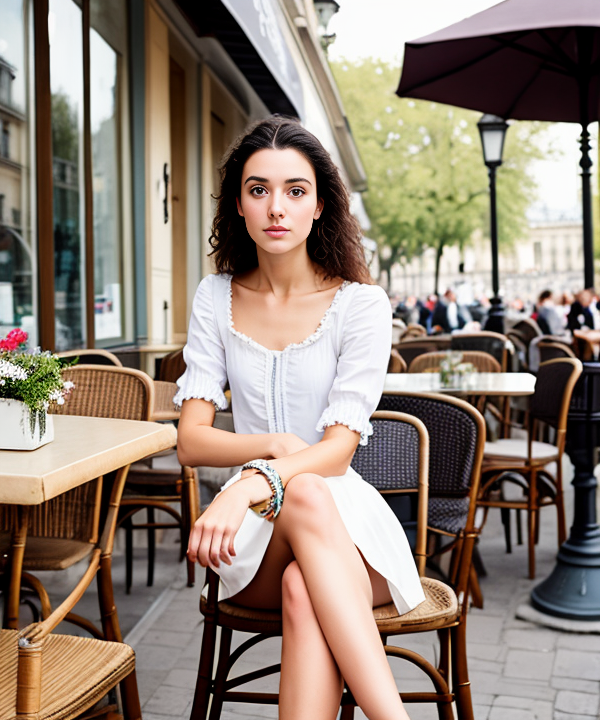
[17, 250]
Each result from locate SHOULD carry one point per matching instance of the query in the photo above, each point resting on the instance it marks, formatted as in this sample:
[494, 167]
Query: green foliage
[43, 383]
[428, 185]
[65, 132]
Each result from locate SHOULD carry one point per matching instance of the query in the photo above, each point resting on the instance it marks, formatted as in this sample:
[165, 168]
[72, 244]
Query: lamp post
[325, 10]
[492, 130]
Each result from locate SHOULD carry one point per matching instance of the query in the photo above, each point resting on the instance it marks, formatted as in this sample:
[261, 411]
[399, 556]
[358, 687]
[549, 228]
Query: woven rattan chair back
[413, 347]
[527, 328]
[484, 341]
[551, 350]
[553, 389]
[395, 461]
[87, 356]
[482, 361]
[172, 367]
[396, 363]
[413, 330]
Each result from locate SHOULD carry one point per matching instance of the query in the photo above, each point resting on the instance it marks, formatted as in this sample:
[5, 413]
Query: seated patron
[447, 313]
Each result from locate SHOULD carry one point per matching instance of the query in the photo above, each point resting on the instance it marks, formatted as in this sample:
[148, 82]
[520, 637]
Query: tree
[428, 186]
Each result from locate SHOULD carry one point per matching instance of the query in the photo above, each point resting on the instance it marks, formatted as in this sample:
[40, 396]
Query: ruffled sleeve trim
[198, 385]
[351, 414]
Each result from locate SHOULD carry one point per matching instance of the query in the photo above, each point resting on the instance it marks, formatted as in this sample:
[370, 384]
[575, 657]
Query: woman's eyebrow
[298, 179]
[255, 178]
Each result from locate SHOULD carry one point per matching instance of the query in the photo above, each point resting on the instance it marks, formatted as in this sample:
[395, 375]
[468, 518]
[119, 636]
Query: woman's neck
[285, 275]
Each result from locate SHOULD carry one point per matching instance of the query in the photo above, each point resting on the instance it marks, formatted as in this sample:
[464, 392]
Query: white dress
[335, 376]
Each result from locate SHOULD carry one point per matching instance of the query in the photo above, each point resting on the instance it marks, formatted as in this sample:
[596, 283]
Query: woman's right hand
[212, 538]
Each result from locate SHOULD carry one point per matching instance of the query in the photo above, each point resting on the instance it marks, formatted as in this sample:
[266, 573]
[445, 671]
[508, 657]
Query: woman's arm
[198, 443]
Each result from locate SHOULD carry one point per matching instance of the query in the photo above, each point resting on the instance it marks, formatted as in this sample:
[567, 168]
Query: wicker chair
[482, 361]
[396, 363]
[524, 462]
[484, 341]
[413, 330]
[457, 436]
[413, 347]
[395, 436]
[93, 356]
[153, 488]
[528, 329]
[59, 676]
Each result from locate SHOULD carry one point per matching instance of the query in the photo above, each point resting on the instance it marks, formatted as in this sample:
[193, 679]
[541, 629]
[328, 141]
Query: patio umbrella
[521, 59]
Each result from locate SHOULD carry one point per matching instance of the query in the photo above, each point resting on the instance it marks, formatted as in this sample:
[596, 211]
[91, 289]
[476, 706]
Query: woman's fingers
[194, 541]
[224, 551]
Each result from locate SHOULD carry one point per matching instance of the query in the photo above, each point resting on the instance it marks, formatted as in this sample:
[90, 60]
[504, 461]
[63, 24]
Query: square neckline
[312, 338]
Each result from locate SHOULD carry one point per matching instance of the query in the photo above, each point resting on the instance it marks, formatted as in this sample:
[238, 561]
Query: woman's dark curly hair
[334, 242]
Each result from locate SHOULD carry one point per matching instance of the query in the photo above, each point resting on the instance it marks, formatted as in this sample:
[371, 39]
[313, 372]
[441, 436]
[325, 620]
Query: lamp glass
[325, 9]
[492, 130]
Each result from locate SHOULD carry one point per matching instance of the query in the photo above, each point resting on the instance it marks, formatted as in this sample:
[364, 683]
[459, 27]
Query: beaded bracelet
[269, 509]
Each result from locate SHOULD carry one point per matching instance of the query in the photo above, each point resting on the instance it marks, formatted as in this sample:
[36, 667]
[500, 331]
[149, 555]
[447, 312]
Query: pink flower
[13, 340]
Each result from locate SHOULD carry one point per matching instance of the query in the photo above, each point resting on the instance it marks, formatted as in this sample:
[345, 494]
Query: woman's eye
[258, 191]
[296, 192]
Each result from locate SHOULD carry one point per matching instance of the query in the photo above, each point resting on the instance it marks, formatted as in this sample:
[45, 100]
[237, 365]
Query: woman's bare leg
[311, 530]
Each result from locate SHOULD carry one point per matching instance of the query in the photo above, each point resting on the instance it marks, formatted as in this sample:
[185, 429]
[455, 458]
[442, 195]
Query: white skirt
[371, 524]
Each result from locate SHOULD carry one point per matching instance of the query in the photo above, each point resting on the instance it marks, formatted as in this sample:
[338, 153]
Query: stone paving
[519, 670]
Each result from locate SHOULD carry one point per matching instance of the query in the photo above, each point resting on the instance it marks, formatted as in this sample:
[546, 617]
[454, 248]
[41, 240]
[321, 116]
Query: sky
[379, 28]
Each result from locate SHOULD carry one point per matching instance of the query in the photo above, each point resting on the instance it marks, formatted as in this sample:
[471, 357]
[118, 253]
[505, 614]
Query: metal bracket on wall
[166, 198]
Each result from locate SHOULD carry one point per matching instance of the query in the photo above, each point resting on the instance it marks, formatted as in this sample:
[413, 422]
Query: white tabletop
[477, 384]
[83, 448]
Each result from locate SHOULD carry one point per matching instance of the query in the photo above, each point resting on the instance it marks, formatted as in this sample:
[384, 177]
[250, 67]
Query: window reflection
[66, 84]
[16, 252]
[104, 76]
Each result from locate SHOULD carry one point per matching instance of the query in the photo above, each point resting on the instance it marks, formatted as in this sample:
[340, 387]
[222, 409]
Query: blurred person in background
[447, 313]
[549, 319]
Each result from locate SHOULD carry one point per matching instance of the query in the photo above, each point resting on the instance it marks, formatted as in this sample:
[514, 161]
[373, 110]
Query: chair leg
[505, 516]
[532, 518]
[475, 589]
[130, 697]
[151, 546]
[519, 527]
[460, 672]
[204, 681]
[221, 674]
[347, 712]
[128, 527]
[560, 505]
[192, 512]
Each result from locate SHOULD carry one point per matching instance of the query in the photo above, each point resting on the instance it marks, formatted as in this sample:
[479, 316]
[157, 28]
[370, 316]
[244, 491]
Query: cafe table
[83, 449]
[478, 383]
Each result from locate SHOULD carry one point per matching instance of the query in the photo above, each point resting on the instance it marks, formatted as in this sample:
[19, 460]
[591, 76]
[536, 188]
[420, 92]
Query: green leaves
[428, 185]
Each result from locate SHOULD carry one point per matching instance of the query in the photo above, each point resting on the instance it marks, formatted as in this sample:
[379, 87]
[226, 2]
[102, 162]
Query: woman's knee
[295, 600]
[308, 494]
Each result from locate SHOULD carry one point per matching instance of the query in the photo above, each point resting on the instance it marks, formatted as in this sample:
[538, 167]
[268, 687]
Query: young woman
[294, 324]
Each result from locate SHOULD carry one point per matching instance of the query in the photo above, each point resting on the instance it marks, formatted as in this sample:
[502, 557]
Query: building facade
[114, 115]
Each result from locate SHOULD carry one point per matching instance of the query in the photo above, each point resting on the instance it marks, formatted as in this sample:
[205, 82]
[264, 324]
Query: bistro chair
[413, 330]
[484, 341]
[399, 448]
[456, 432]
[90, 356]
[482, 361]
[154, 488]
[411, 348]
[551, 349]
[524, 463]
[66, 529]
[396, 363]
[60, 676]
[527, 329]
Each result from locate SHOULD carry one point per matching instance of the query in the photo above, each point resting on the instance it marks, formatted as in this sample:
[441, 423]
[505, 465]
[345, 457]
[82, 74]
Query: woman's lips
[277, 231]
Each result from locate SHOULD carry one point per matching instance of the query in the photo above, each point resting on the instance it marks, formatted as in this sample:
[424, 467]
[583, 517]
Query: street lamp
[325, 10]
[493, 131]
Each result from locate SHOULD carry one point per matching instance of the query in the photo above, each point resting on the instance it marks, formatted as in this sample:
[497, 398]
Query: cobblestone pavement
[519, 670]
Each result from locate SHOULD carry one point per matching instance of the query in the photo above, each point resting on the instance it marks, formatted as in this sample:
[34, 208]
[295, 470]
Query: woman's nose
[276, 209]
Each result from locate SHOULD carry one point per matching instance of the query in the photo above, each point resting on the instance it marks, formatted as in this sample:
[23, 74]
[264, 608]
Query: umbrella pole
[586, 196]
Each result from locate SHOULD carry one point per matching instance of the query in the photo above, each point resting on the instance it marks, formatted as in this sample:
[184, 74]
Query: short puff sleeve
[204, 354]
[362, 362]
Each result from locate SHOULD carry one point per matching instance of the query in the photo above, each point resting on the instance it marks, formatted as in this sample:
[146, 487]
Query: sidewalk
[519, 670]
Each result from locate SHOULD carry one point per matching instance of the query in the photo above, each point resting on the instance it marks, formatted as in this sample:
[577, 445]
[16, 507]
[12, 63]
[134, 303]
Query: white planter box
[15, 427]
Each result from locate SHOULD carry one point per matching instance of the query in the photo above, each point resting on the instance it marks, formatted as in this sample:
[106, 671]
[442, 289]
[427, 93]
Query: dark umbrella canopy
[521, 59]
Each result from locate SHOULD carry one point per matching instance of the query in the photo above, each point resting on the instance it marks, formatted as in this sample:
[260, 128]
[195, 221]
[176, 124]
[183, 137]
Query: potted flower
[30, 382]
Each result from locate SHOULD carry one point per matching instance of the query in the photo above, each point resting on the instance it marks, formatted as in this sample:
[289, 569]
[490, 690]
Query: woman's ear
[319, 209]
[239, 207]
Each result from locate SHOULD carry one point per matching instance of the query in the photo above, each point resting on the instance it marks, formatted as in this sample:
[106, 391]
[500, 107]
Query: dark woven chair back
[410, 349]
[482, 361]
[528, 329]
[551, 350]
[172, 367]
[395, 461]
[489, 342]
[108, 392]
[90, 357]
[456, 438]
[553, 389]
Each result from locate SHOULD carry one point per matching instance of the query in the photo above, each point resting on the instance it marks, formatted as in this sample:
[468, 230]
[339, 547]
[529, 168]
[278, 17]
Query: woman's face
[278, 199]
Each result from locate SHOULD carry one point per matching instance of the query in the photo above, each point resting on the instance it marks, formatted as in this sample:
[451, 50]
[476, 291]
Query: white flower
[11, 371]
[68, 385]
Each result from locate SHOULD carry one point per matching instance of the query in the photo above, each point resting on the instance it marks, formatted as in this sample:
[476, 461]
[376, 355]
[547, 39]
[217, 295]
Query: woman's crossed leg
[313, 571]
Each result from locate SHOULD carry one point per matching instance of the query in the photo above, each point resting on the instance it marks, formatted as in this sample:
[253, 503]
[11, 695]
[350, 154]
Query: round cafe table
[497, 384]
